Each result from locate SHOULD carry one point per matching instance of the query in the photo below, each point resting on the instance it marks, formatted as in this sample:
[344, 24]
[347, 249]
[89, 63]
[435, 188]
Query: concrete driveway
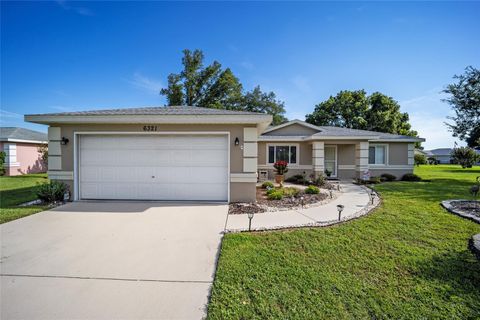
[104, 260]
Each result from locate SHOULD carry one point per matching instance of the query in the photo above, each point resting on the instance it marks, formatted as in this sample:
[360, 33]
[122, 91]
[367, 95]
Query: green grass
[16, 190]
[406, 260]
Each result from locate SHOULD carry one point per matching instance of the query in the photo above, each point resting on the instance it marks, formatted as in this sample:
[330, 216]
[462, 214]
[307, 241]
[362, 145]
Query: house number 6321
[149, 128]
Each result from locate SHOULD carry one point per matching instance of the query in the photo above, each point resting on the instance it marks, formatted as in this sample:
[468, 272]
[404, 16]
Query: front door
[331, 160]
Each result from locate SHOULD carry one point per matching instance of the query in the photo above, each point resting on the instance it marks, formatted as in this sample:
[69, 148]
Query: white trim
[299, 167]
[243, 177]
[281, 138]
[60, 175]
[23, 141]
[289, 123]
[346, 167]
[250, 165]
[401, 140]
[54, 148]
[250, 134]
[54, 133]
[76, 184]
[386, 146]
[320, 138]
[290, 165]
[250, 149]
[10, 150]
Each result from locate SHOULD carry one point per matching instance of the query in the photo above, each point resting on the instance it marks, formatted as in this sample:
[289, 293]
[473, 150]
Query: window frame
[289, 145]
[375, 145]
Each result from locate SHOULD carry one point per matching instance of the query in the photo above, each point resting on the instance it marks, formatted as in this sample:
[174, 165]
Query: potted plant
[328, 173]
[281, 168]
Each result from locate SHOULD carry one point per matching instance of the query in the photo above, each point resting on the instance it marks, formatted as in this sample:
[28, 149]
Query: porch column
[361, 157]
[318, 157]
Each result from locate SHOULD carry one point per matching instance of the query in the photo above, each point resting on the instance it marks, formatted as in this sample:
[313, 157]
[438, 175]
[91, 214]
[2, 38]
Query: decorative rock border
[447, 204]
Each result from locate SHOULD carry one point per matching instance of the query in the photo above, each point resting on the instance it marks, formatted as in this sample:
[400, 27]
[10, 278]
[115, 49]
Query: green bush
[411, 177]
[320, 180]
[419, 159]
[290, 192]
[312, 190]
[267, 184]
[2, 162]
[375, 180]
[51, 192]
[388, 177]
[464, 156]
[275, 195]
[298, 178]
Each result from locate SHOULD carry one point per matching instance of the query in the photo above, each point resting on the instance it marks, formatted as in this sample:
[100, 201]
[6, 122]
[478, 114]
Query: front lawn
[406, 260]
[16, 190]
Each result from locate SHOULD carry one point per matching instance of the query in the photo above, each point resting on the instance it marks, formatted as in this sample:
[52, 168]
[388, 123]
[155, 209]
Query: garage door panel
[156, 167]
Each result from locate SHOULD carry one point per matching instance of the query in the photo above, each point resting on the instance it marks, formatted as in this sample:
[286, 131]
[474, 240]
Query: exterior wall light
[340, 208]
[237, 142]
[64, 141]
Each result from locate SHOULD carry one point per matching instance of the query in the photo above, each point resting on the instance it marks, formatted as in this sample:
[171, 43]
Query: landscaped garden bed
[464, 208]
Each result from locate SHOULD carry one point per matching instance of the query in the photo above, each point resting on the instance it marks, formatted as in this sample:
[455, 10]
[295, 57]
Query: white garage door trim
[76, 195]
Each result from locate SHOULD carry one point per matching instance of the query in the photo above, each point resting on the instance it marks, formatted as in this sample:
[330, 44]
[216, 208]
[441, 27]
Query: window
[282, 152]
[377, 154]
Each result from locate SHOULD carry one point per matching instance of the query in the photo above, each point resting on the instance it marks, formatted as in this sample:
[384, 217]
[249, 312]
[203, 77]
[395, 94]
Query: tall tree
[214, 87]
[259, 101]
[464, 98]
[356, 110]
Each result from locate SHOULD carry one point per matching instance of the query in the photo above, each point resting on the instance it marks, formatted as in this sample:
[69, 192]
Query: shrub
[312, 190]
[298, 178]
[275, 195]
[464, 156]
[388, 177]
[420, 159]
[319, 181]
[290, 192]
[270, 190]
[2, 162]
[374, 180]
[411, 177]
[51, 192]
[267, 184]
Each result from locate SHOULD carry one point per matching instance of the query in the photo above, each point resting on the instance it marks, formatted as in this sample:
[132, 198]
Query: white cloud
[80, 10]
[301, 83]
[149, 84]
[4, 114]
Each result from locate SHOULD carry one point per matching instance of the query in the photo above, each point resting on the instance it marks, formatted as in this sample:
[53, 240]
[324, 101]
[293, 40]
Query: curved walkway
[356, 200]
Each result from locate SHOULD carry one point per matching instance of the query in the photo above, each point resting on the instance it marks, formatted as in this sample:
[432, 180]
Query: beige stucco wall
[292, 130]
[236, 152]
[398, 153]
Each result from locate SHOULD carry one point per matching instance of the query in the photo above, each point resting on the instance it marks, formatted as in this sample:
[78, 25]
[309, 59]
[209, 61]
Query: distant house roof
[441, 152]
[16, 134]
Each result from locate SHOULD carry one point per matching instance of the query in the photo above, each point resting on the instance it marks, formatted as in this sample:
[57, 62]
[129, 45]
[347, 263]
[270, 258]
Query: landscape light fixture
[373, 195]
[237, 142]
[250, 217]
[340, 208]
[64, 141]
[331, 193]
[302, 198]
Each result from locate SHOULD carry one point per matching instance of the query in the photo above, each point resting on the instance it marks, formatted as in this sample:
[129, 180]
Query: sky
[72, 56]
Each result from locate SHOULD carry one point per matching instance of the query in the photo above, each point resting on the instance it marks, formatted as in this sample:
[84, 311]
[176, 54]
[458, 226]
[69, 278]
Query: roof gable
[21, 134]
[292, 128]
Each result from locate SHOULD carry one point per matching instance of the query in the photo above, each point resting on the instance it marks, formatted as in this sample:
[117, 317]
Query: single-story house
[21, 150]
[193, 153]
[442, 155]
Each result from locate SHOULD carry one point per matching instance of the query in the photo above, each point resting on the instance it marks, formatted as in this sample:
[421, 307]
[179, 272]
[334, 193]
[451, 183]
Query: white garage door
[153, 167]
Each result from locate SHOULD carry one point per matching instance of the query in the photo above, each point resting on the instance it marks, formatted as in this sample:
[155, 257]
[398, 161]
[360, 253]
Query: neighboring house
[192, 153]
[21, 149]
[442, 155]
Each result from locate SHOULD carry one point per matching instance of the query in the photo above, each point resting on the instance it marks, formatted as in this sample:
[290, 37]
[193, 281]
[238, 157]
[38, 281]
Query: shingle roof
[338, 131]
[441, 151]
[170, 110]
[21, 134]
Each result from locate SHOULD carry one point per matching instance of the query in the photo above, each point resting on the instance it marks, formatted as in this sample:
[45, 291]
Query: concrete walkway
[355, 198]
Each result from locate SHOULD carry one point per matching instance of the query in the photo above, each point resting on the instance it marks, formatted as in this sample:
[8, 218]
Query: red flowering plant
[281, 167]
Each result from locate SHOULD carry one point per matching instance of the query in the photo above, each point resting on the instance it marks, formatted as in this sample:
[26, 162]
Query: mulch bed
[265, 205]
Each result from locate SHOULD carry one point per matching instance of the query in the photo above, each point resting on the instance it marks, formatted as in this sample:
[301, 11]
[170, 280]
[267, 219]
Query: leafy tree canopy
[214, 87]
[464, 98]
[356, 110]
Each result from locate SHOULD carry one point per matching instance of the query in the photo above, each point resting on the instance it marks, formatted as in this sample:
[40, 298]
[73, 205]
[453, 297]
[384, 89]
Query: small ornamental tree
[419, 159]
[281, 167]
[464, 156]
